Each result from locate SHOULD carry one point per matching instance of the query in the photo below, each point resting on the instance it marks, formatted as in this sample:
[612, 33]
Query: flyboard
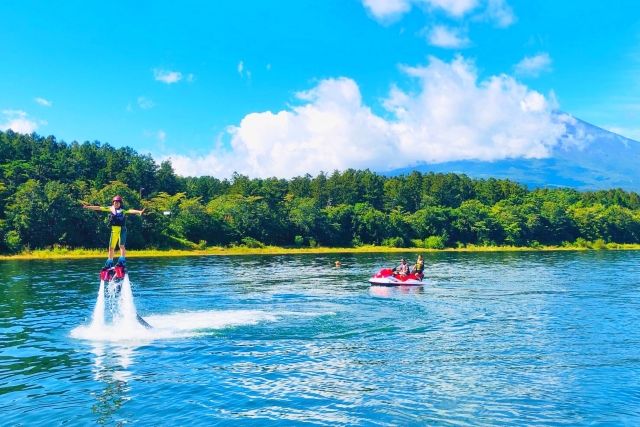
[117, 283]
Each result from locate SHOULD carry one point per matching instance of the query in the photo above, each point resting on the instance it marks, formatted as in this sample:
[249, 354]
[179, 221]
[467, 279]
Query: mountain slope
[586, 158]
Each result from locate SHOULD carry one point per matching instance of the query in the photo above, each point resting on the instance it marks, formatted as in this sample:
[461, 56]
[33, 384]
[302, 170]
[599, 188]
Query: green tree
[512, 221]
[591, 221]
[308, 219]
[43, 215]
[369, 224]
[249, 217]
[195, 223]
[623, 225]
[206, 188]
[340, 231]
[431, 221]
[473, 223]
[300, 186]
[167, 179]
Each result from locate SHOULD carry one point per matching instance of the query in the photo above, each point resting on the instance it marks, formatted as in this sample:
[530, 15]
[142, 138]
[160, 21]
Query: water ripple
[489, 339]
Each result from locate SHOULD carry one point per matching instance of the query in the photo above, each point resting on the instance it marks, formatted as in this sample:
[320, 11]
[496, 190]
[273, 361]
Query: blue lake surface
[531, 338]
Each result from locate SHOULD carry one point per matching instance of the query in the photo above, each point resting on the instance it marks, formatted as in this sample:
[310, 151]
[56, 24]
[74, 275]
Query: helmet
[117, 199]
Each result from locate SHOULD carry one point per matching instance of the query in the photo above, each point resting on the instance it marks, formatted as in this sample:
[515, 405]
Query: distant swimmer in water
[338, 264]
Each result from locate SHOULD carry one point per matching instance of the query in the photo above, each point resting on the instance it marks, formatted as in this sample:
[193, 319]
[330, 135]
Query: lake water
[534, 338]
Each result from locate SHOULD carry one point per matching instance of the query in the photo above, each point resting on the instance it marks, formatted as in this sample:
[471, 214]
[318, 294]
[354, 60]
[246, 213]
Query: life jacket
[419, 268]
[116, 217]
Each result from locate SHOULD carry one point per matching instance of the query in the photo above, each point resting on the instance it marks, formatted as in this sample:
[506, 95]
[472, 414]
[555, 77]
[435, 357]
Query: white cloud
[445, 37]
[161, 135]
[500, 13]
[533, 66]
[331, 130]
[166, 76]
[43, 102]
[385, 10]
[452, 116]
[455, 117]
[145, 103]
[457, 8]
[18, 121]
[388, 10]
[496, 11]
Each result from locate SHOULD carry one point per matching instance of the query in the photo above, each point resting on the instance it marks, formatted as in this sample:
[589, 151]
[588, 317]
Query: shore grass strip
[78, 253]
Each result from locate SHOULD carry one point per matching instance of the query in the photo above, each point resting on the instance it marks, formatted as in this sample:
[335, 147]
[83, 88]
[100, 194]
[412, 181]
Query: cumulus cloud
[332, 129]
[452, 116]
[533, 66]
[43, 102]
[166, 76]
[18, 121]
[448, 38]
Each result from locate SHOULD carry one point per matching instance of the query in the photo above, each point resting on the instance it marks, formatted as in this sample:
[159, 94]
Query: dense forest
[44, 183]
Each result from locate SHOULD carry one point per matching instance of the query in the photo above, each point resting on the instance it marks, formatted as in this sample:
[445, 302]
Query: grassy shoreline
[65, 253]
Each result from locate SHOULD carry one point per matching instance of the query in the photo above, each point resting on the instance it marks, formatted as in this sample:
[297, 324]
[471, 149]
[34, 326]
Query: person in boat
[118, 237]
[418, 269]
[403, 268]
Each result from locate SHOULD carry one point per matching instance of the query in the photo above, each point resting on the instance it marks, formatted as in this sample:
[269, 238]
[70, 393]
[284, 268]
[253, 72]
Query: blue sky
[288, 87]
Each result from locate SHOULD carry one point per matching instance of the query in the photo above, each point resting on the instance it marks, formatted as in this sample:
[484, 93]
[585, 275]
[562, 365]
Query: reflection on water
[505, 338]
[111, 369]
[392, 291]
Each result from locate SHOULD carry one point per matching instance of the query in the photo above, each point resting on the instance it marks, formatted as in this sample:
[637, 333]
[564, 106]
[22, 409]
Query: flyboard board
[114, 276]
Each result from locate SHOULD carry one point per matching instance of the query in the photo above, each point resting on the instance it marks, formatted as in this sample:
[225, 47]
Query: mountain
[586, 158]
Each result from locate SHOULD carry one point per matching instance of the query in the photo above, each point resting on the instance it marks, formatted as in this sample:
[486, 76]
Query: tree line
[44, 182]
